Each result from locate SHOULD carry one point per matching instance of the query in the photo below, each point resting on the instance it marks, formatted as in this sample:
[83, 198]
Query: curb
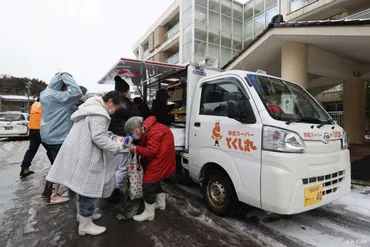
[359, 182]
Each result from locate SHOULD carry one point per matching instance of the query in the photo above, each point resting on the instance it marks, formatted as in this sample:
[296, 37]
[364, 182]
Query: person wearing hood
[158, 148]
[160, 108]
[117, 127]
[81, 163]
[57, 102]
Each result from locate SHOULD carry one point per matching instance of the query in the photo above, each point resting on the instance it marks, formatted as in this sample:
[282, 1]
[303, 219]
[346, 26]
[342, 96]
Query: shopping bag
[135, 175]
[128, 208]
[113, 161]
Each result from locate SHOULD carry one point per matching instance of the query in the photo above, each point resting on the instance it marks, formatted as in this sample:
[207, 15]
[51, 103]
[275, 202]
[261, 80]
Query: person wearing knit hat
[121, 85]
[117, 126]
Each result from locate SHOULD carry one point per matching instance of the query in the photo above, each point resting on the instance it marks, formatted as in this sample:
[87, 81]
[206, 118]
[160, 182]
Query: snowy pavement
[26, 221]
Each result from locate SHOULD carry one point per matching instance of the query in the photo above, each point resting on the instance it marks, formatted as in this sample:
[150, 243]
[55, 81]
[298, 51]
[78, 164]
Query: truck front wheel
[219, 194]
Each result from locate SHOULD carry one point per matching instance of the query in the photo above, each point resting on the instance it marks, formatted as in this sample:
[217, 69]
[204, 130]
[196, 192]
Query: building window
[259, 24]
[201, 15]
[248, 11]
[259, 7]
[214, 38]
[200, 50]
[270, 13]
[298, 4]
[202, 3]
[237, 11]
[215, 98]
[226, 7]
[214, 5]
[214, 21]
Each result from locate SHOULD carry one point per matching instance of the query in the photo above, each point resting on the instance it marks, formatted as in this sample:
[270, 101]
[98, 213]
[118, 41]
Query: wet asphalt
[25, 220]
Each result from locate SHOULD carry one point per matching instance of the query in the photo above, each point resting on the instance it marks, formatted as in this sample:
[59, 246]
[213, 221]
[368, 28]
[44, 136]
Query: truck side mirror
[241, 111]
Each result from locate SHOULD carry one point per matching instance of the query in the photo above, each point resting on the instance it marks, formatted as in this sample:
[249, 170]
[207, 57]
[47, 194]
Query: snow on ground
[345, 222]
[358, 201]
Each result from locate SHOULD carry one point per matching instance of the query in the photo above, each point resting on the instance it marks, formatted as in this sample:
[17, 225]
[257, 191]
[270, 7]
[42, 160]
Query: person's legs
[86, 211]
[121, 175]
[149, 195]
[35, 141]
[48, 153]
[160, 197]
[52, 195]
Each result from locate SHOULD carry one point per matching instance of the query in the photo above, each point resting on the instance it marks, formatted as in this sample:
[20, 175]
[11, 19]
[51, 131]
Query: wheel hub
[216, 193]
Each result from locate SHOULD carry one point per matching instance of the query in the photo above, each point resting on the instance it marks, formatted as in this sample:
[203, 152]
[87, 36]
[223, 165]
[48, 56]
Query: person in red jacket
[158, 148]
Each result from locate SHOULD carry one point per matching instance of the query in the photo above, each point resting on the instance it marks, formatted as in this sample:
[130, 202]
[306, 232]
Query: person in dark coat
[160, 108]
[142, 107]
[117, 126]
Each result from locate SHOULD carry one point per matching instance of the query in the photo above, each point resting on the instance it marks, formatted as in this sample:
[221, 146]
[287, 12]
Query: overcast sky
[84, 37]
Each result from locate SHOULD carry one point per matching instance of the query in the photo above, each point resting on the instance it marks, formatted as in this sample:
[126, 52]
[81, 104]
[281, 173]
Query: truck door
[232, 143]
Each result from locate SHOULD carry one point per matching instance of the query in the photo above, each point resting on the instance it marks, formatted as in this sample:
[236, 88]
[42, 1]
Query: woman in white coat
[81, 162]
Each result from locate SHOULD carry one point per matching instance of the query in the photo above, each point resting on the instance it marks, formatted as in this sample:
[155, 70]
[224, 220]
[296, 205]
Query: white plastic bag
[135, 173]
[113, 161]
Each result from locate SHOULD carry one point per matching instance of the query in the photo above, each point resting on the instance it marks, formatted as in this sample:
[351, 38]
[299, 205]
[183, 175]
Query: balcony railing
[173, 59]
[174, 30]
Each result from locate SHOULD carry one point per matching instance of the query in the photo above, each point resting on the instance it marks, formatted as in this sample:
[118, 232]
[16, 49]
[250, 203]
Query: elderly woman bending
[158, 148]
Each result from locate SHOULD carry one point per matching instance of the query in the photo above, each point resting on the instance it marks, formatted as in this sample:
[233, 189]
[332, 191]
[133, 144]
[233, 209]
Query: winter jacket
[158, 148]
[35, 116]
[81, 162]
[144, 110]
[57, 108]
[120, 117]
[160, 111]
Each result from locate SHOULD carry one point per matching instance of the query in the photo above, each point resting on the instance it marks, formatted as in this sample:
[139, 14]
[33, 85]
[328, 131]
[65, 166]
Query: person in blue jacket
[57, 102]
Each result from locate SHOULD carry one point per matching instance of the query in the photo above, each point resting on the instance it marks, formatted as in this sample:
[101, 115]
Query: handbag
[135, 175]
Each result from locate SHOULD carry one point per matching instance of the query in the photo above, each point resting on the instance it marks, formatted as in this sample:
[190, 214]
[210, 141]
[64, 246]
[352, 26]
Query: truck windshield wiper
[306, 119]
[325, 122]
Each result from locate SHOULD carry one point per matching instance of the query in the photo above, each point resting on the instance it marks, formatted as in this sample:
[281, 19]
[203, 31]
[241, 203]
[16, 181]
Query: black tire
[221, 182]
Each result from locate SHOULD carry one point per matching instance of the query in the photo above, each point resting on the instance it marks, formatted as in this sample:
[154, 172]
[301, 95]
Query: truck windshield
[286, 101]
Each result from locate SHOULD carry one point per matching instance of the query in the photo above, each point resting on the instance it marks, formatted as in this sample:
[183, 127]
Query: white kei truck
[253, 138]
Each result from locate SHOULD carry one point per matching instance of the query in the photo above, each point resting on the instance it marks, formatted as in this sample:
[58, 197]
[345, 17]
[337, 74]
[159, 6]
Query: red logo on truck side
[217, 134]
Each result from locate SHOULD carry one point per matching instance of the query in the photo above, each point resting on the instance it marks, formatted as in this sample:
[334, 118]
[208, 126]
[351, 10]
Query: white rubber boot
[87, 226]
[148, 214]
[95, 216]
[160, 201]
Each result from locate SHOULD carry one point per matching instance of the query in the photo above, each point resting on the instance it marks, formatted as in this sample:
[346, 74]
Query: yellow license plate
[312, 195]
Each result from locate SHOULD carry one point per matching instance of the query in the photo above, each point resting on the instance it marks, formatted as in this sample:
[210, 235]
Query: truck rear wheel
[219, 194]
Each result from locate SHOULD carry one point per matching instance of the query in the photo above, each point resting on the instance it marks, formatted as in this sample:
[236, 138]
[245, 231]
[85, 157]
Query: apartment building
[189, 30]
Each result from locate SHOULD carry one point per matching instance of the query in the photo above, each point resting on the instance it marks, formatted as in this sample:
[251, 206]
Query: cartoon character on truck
[217, 134]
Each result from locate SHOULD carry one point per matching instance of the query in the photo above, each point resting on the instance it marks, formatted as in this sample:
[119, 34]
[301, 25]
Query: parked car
[14, 124]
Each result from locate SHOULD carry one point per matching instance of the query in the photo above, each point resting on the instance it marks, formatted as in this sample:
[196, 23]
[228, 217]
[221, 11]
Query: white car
[14, 124]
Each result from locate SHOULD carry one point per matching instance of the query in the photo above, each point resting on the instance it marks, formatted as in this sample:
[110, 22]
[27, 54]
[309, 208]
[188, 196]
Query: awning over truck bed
[139, 71]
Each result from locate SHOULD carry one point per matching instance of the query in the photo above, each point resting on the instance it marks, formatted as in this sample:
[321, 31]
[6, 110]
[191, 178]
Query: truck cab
[266, 142]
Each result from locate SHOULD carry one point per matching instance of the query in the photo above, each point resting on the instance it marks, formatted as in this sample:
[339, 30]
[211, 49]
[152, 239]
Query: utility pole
[28, 96]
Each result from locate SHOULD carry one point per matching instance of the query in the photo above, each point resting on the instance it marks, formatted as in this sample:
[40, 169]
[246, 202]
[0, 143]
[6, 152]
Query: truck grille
[330, 182]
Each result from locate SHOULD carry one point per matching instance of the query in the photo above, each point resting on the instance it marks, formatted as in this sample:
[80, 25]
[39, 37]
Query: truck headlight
[345, 140]
[281, 140]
